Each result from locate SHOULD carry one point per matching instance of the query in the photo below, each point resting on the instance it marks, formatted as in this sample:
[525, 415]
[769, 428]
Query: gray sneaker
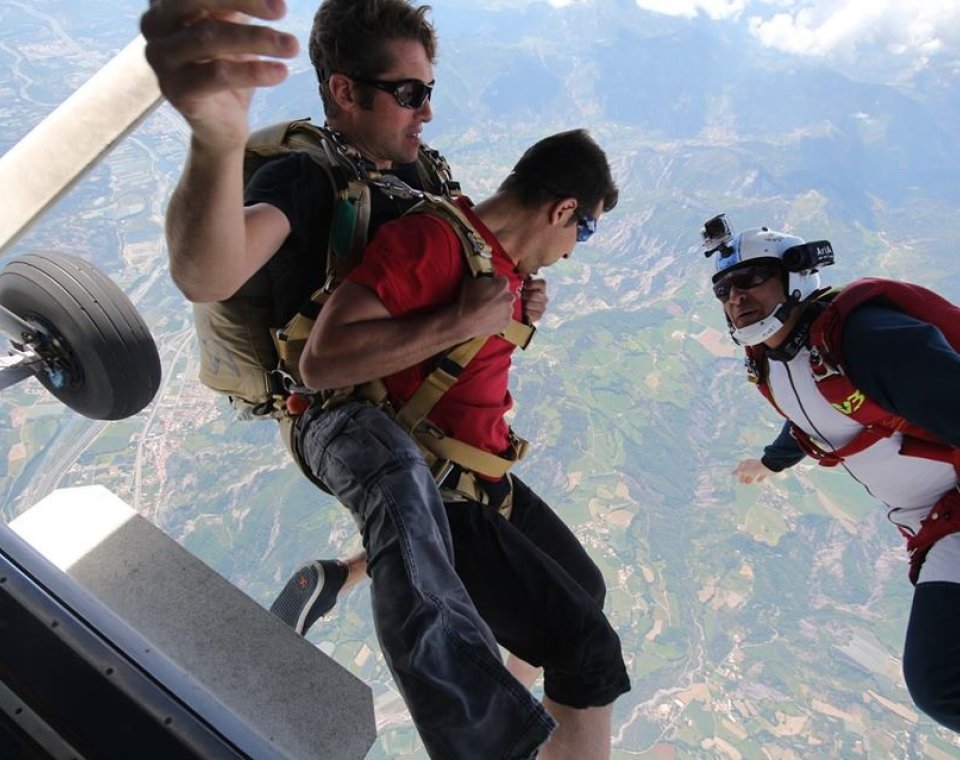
[310, 593]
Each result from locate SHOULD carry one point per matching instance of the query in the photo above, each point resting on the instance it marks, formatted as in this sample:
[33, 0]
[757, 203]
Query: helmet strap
[758, 332]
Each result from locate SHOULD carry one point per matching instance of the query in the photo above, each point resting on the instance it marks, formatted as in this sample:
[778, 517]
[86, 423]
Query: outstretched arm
[207, 61]
[782, 453]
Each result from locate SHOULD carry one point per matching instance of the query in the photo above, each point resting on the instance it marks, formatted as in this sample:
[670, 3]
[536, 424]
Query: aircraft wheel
[100, 359]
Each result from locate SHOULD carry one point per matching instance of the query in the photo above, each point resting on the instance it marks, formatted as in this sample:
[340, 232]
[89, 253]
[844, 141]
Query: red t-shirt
[416, 264]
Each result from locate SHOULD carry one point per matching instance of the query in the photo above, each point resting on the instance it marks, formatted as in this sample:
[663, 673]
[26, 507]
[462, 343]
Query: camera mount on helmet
[808, 256]
[716, 233]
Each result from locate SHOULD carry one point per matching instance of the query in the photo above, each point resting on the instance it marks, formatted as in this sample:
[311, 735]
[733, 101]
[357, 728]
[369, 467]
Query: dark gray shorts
[541, 594]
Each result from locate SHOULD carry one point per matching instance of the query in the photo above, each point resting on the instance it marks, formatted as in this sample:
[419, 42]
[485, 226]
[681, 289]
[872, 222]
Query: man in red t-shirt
[418, 267]
[462, 576]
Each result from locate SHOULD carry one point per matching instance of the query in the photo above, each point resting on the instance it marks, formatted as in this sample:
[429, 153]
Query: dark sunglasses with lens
[409, 93]
[744, 278]
[586, 226]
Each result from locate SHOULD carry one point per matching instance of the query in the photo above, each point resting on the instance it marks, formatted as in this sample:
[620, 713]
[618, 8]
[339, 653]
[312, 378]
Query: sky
[914, 28]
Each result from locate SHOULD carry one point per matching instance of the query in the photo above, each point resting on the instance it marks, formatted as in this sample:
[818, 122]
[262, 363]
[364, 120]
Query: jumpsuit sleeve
[783, 452]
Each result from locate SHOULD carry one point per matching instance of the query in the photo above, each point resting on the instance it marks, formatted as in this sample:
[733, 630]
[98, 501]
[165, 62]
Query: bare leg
[523, 671]
[356, 565]
[580, 734]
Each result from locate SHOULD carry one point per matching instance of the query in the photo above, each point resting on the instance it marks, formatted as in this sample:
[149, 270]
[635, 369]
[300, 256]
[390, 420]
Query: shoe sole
[317, 590]
[291, 587]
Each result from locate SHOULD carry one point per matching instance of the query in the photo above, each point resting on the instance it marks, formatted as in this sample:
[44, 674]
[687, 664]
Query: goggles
[586, 226]
[409, 93]
[744, 278]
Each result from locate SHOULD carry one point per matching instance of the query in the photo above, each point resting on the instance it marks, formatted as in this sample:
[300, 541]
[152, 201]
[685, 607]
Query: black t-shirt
[301, 189]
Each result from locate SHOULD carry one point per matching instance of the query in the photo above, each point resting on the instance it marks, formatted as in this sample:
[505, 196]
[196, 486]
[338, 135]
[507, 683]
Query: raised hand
[207, 58]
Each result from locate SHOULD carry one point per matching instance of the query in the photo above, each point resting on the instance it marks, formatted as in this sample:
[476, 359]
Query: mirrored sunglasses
[743, 278]
[409, 93]
[586, 226]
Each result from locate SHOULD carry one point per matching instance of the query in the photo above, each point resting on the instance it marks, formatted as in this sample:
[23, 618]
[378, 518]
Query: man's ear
[342, 91]
[563, 210]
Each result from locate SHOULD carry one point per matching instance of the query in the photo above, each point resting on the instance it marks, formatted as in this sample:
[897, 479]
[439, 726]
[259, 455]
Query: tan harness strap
[448, 370]
[348, 232]
[411, 416]
[438, 382]
[291, 339]
[476, 250]
[442, 447]
[519, 334]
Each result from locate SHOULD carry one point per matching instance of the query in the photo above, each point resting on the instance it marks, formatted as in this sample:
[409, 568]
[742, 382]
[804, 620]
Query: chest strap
[447, 371]
[837, 389]
[826, 458]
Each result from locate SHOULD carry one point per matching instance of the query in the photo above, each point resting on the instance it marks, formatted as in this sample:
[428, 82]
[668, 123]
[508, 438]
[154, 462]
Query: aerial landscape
[760, 621]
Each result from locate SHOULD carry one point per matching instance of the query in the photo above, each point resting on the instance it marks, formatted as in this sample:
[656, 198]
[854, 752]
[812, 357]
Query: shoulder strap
[477, 252]
[349, 225]
[478, 255]
[834, 384]
[350, 219]
[826, 333]
[435, 174]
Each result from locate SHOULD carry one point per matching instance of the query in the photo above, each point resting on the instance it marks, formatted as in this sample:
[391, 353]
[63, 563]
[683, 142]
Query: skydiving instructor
[867, 378]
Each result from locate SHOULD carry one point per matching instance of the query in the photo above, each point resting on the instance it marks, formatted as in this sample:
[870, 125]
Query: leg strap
[943, 519]
[459, 484]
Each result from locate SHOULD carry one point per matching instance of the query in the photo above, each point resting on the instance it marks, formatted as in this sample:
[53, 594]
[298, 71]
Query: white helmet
[797, 260]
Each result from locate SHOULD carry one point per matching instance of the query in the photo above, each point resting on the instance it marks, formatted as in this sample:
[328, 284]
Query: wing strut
[40, 168]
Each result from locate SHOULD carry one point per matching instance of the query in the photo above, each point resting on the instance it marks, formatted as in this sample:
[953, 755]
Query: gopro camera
[716, 233]
[808, 257]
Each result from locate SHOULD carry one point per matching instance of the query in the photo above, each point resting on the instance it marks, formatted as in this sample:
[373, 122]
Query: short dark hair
[565, 165]
[349, 36]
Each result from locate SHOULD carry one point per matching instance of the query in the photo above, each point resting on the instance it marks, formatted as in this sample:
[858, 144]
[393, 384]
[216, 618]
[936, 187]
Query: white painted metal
[46, 163]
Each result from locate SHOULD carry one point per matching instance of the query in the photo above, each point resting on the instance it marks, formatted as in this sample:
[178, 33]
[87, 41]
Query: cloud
[715, 9]
[823, 27]
[913, 28]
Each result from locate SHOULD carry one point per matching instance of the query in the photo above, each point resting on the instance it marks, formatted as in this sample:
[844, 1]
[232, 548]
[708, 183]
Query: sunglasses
[743, 278]
[409, 93]
[586, 226]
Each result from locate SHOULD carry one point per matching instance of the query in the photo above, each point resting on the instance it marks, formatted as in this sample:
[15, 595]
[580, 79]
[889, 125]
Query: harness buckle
[282, 383]
[819, 367]
[426, 426]
[279, 382]
[329, 282]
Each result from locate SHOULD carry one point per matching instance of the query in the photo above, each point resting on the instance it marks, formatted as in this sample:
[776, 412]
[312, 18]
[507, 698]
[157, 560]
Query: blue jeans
[443, 656]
